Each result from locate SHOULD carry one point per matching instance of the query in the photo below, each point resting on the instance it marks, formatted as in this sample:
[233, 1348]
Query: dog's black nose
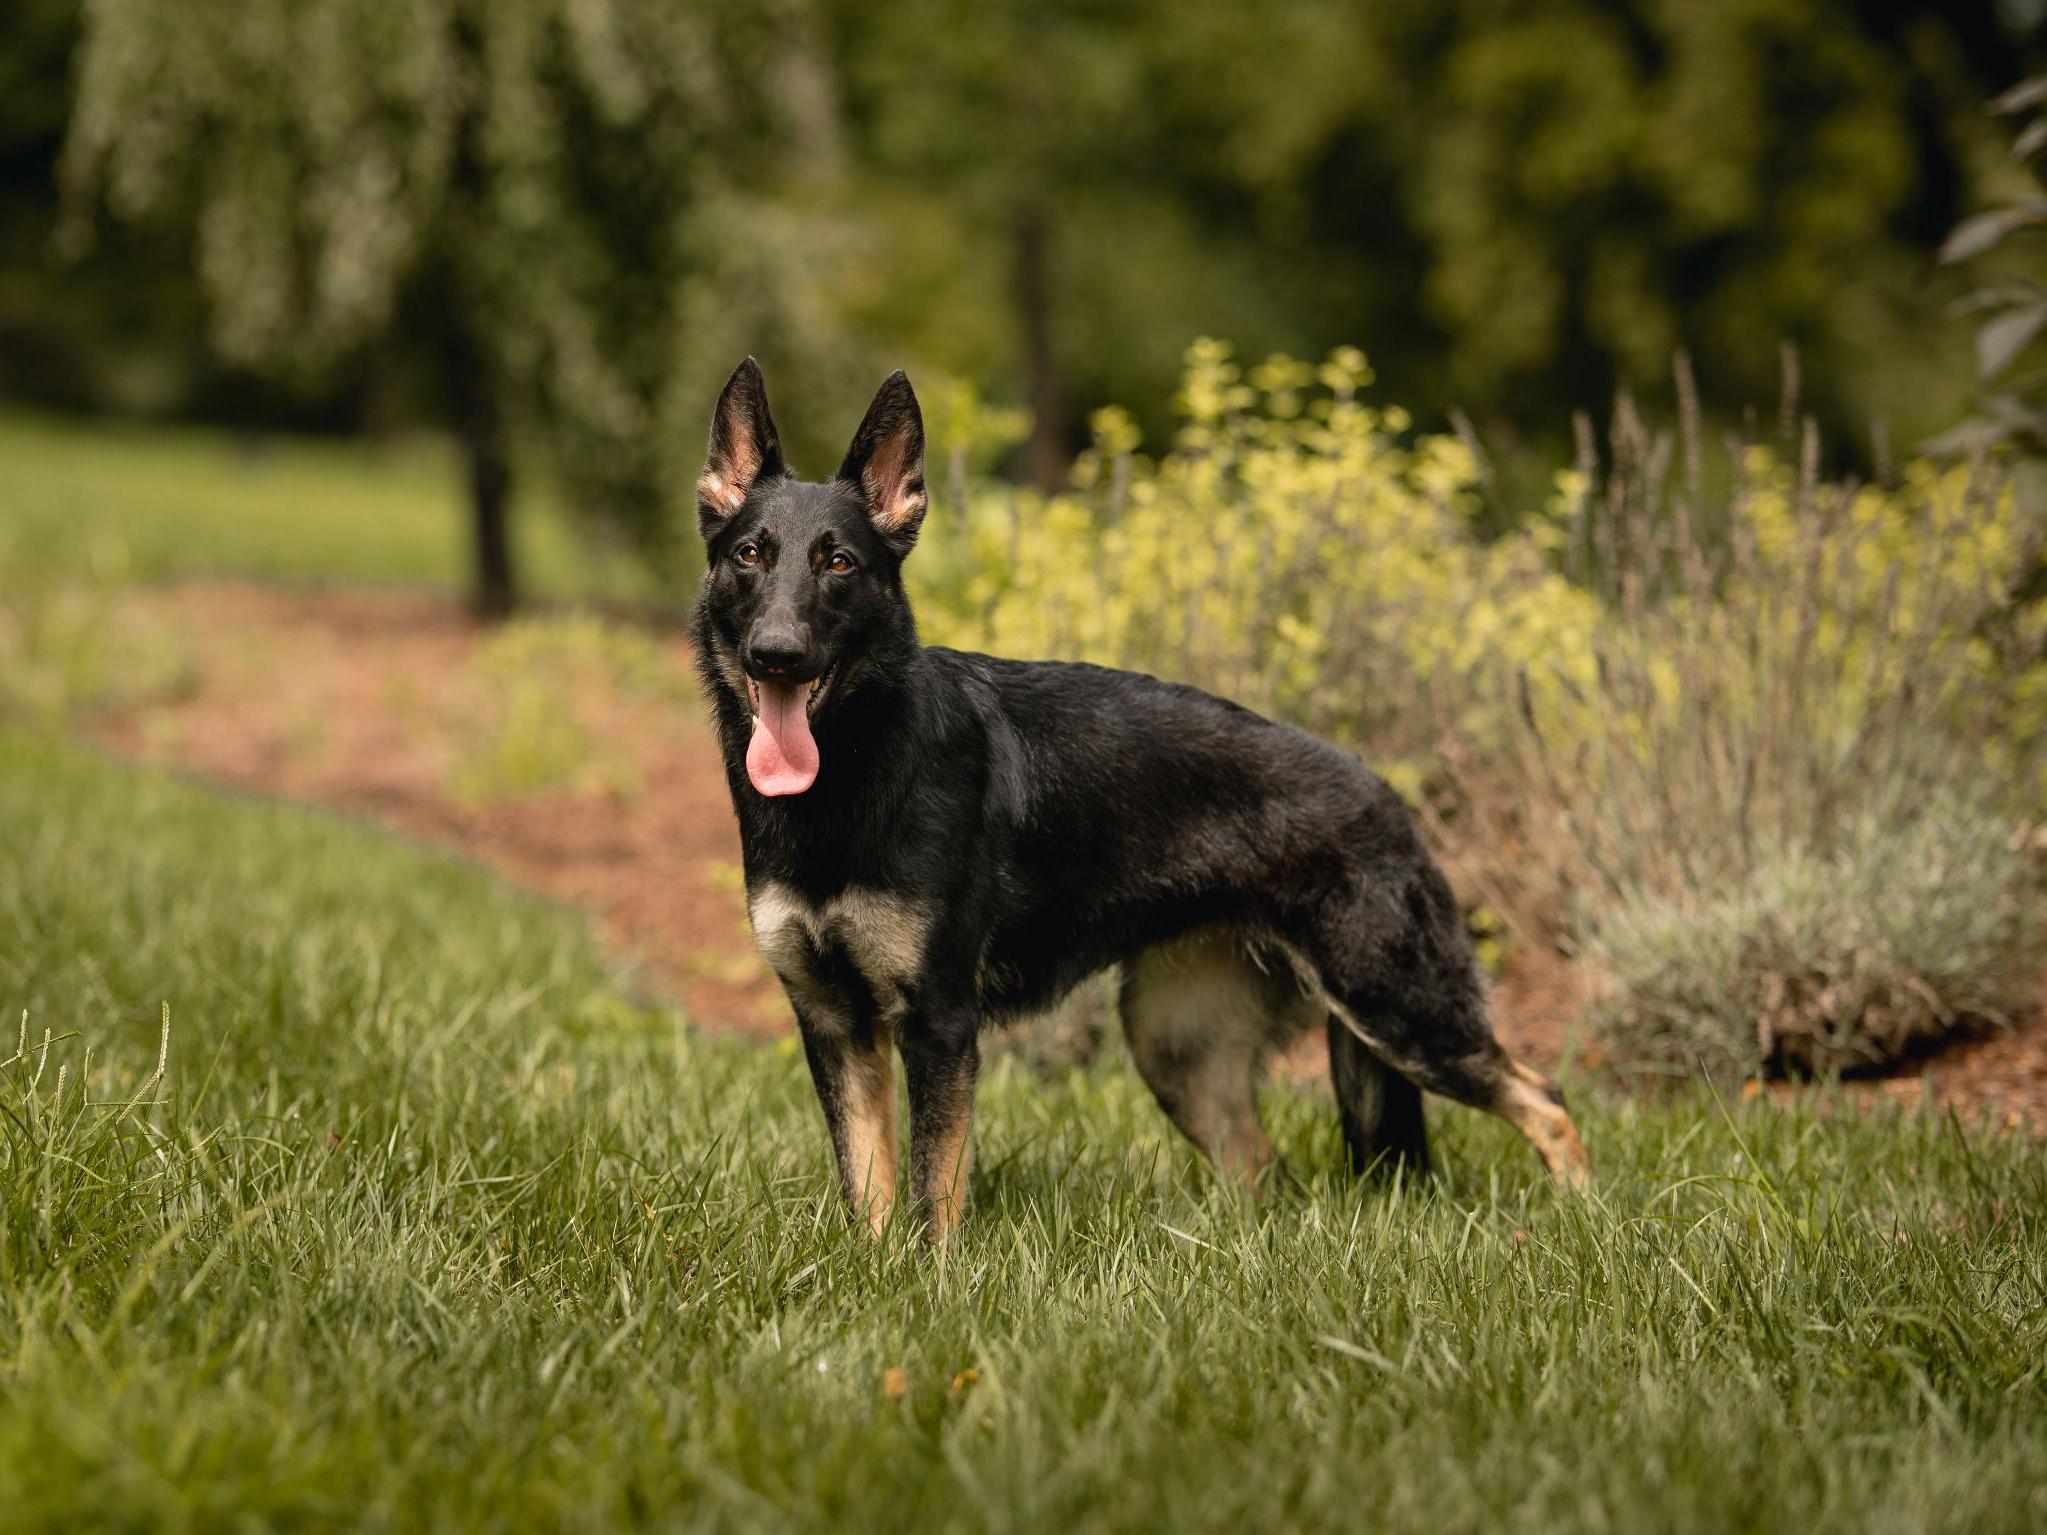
[774, 651]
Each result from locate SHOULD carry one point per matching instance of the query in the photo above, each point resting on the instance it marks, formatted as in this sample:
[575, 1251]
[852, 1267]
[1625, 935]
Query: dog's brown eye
[747, 554]
[838, 564]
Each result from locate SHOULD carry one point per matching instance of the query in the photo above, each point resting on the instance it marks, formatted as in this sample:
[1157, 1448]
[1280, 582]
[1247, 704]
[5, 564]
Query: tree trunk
[479, 423]
[474, 384]
[493, 593]
[1047, 450]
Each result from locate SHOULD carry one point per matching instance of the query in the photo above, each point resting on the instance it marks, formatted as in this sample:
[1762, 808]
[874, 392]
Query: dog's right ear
[744, 449]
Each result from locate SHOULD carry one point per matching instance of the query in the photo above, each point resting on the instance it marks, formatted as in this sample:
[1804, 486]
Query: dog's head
[804, 580]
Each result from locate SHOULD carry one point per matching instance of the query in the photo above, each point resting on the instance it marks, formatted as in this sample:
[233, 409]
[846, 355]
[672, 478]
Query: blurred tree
[1034, 169]
[1600, 184]
[1516, 208]
[578, 213]
[2011, 317]
[35, 40]
[506, 184]
[2013, 302]
[118, 330]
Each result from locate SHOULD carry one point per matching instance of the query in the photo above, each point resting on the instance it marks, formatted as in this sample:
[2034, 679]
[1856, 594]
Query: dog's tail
[1381, 1110]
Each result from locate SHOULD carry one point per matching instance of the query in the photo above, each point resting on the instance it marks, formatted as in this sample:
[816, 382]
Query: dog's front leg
[942, 1059]
[856, 1085]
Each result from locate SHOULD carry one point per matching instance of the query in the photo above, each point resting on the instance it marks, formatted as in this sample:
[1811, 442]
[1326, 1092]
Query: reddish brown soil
[2001, 1077]
[354, 700]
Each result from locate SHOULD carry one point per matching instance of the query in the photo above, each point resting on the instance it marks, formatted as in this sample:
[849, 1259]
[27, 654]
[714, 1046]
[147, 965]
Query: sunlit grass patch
[100, 504]
[73, 648]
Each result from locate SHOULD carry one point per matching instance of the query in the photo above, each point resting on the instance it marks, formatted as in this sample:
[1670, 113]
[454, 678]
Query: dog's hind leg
[1381, 1111]
[1201, 1017]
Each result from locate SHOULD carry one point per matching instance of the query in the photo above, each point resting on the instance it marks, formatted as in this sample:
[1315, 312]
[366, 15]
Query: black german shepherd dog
[936, 840]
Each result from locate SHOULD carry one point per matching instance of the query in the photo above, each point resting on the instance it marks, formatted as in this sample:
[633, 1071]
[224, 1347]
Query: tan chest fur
[881, 936]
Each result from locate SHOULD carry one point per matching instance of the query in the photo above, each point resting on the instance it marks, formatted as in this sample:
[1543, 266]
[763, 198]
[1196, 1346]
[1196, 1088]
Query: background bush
[1792, 793]
[1906, 928]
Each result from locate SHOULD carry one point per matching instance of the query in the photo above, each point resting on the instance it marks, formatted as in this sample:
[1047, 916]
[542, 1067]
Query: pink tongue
[782, 756]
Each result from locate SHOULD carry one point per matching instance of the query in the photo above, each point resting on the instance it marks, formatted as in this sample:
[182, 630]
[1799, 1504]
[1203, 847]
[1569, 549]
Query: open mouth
[820, 685]
[781, 757]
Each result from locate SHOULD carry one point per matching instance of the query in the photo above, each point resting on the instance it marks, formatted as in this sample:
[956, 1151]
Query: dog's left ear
[886, 463]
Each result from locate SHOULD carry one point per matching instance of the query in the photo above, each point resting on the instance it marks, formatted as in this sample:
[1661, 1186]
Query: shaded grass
[99, 502]
[427, 1227]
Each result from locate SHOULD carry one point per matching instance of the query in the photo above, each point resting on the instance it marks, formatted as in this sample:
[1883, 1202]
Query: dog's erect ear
[744, 448]
[886, 463]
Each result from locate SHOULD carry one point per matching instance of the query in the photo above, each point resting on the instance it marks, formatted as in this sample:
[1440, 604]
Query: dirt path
[368, 702]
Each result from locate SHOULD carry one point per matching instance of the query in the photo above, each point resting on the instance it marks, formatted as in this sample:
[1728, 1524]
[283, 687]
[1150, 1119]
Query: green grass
[427, 1226]
[99, 502]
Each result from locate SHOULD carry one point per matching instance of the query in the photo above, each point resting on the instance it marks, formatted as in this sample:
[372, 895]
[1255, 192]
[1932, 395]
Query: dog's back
[1121, 811]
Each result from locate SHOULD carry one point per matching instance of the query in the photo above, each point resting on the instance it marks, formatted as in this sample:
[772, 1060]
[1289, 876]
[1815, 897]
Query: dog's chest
[860, 946]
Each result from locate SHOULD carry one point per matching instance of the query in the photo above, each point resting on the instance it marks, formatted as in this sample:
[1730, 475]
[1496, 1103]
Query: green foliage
[1293, 550]
[1620, 142]
[63, 651]
[118, 332]
[540, 693]
[422, 1226]
[2014, 303]
[1802, 641]
[1517, 205]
